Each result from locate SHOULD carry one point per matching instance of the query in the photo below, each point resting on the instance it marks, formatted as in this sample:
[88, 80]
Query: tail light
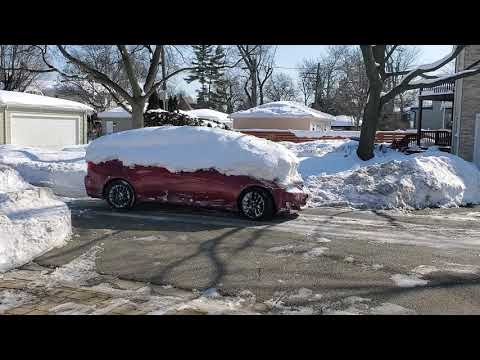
[90, 165]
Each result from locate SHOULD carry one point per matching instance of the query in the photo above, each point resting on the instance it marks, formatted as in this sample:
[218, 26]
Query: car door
[209, 187]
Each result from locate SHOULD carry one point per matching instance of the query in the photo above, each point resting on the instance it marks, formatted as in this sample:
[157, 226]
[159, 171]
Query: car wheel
[120, 195]
[256, 204]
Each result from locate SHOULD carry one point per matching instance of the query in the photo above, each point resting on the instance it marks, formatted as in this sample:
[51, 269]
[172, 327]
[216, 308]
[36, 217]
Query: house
[115, 120]
[282, 115]
[436, 115]
[466, 108]
[344, 122]
[36, 120]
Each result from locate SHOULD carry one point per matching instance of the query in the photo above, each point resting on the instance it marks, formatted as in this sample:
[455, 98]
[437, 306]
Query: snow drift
[32, 220]
[61, 170]
[187, 148]
[334, 175]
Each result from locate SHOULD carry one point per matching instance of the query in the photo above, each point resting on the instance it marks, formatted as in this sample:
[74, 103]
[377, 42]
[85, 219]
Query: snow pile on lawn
[187, 148]
[32, 220]
[334, 175]
[282, 109]
[61, 170]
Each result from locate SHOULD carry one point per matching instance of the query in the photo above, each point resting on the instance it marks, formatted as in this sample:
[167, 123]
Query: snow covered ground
[334, 175]
[62, 170]
[32, 220]
[332, 172]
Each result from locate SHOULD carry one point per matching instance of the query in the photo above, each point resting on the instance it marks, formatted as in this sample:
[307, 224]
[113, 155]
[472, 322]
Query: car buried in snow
[195, 166]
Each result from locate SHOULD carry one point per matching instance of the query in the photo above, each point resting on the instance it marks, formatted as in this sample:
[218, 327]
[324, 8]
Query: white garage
[35, 120]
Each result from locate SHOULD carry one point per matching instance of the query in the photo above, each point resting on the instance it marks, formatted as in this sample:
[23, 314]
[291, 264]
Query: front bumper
[288, 200]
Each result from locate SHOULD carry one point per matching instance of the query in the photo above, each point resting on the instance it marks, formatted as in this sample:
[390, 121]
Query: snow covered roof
[286, 109]
[210, 114]
[115, 113]
[343, 120]
[38, 101]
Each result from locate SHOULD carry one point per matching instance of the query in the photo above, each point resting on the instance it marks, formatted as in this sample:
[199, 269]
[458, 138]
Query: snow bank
[32, 220]
[187, 148]
[282, 109]
[334, 175]
[61, 170]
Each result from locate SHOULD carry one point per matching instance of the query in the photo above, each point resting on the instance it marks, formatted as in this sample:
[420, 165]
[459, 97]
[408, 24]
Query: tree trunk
[371, 116]
[137, 114]
[254, 83]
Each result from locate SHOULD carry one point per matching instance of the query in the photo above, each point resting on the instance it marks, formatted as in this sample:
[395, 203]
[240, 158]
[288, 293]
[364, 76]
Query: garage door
[44, 130]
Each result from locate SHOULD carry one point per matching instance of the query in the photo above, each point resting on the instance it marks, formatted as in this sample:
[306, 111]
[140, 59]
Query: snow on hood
[282, 109]
[32, 100]
[189, 148]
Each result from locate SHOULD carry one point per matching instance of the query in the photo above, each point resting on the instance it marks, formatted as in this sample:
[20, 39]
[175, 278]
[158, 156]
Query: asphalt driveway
[334, 253]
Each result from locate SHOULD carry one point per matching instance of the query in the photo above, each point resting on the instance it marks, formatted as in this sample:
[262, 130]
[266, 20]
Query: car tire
[256, 204]
[120, 195]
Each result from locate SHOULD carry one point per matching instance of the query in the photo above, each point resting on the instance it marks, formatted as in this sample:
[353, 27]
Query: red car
[122, 187]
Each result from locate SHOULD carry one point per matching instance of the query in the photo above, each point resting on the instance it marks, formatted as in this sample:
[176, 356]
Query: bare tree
[375, 58]
[259, 63]
[351, 96]
[20, 66]
[307, 80]
[139, 65]
[281, 87]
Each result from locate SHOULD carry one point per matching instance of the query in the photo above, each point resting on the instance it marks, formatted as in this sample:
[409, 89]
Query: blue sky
[290, 56]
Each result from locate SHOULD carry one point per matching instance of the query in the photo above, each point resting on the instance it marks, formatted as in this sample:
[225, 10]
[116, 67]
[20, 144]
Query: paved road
[335, 253]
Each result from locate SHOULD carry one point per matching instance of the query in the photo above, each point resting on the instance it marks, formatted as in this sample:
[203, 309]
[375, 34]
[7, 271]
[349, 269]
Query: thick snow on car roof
[189, 148]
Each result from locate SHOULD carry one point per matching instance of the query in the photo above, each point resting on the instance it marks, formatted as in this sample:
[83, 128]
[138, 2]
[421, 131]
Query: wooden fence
[398, 139]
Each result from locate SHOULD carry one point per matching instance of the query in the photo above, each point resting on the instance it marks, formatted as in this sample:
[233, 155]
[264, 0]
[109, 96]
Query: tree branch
[421, 70]
[99, 76]
[127, 62]
[153, 70]
[390, 53]
[160, 82]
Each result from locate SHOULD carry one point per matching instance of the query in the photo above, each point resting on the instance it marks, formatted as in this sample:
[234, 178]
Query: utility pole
[317, 84]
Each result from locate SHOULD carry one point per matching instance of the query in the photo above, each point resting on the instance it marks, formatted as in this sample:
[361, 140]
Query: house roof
[15, 98]
[282, 109]
[343, 120]
[120, 113]
[115, 113]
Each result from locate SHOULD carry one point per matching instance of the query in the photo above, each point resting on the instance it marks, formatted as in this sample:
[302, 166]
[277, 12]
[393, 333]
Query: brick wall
[467, 104]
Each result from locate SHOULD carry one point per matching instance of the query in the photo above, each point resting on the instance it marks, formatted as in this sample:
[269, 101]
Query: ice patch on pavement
[318, 251]
[407, 281]
[10, 299]
[151, 238]
[355, 305]
[78, 271]
[430, 271]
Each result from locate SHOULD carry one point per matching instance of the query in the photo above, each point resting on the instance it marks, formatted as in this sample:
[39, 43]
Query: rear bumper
[91, 187]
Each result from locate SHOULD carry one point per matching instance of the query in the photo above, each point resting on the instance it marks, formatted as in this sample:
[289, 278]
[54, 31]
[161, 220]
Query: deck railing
[446, 88]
